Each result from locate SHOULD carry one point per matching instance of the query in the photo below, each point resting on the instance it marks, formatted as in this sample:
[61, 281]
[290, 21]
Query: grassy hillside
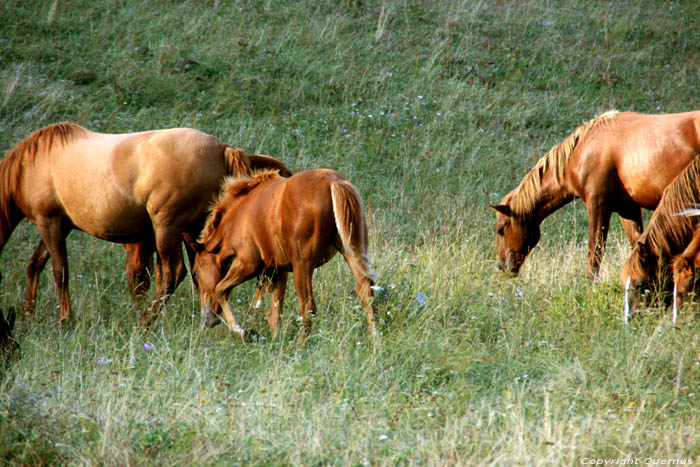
[433, 110]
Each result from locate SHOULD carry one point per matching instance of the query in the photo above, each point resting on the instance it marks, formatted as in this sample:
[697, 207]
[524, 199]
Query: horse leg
[303, 275]
[139, 268]
[261, 286]
[361, 270]
[598, 224]
[54, 238]
[279, 287]
[169, 272]
[632, 223]
[239, 271]
[34, 268]
[191, 255]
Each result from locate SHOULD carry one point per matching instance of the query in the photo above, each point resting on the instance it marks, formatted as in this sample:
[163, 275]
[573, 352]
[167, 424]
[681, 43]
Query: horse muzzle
[509, 265]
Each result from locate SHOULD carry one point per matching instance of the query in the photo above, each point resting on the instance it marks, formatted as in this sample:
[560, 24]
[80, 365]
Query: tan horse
[669, 238]
[139, 256]
[270, 225]
[127, 188]
[616, 162]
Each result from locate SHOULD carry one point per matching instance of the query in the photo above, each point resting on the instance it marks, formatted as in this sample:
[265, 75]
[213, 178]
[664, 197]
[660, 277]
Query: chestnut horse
[268, 225]
[128, 188]
[670, 237]
[616, 162]
[139, 256]
[687, 263]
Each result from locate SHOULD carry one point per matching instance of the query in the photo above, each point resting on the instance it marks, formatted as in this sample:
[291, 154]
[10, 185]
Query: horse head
[637, 275]
[515, 238]
[209, 268]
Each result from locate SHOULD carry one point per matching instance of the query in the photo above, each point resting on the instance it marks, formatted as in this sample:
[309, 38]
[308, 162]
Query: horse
[685, 264]
[127, 188]
[669, 241]
[139, 256]
[266, 225]
[616, 162]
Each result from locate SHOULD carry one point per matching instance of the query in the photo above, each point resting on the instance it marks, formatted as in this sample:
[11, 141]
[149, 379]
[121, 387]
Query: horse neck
[549, 198]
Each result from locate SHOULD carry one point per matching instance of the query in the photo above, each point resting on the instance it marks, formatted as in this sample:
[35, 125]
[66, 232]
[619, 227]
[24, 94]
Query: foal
[269, 225]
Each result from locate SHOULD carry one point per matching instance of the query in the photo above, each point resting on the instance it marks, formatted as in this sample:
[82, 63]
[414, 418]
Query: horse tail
[237, 162]
[352, 226]
[352, 229]
[263, 162]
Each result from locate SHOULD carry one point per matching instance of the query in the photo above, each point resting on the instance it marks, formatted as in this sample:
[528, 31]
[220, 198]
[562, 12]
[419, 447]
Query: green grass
[433, 110]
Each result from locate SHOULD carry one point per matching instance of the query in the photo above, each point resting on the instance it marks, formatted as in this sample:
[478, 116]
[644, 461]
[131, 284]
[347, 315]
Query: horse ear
[215, 220]
[643, 250]
[192, 242]
[502, 208]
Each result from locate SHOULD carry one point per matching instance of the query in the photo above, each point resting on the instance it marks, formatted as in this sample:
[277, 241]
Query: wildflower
[99, 362]
[147, 347]
[420, 299]
[132, 359]
[383, 437]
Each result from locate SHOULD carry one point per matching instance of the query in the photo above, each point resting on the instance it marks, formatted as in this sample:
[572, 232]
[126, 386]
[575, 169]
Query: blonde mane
[668, 233]
[523, 199]
[233, 187]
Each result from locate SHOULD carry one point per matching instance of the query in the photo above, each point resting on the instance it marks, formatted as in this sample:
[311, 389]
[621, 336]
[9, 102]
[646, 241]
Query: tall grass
[433, 110]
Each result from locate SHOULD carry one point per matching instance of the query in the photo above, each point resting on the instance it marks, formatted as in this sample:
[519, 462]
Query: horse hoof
[211, 320]
[251, 335]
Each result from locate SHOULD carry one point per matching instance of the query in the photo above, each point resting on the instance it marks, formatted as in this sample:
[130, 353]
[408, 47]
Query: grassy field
[433, 110]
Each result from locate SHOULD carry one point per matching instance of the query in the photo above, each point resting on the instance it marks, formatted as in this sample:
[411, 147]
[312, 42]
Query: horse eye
[500, 229]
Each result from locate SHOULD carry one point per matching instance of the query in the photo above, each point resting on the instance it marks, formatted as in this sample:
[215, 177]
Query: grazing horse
[139, 256]
[616, 162]
[671, 237]
[128, 188]
[685, 264]
[268, 225]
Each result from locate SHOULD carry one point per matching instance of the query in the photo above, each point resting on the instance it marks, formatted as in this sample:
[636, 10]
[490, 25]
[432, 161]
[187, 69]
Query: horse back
[635, 155]
[114, 186]
[284, 219]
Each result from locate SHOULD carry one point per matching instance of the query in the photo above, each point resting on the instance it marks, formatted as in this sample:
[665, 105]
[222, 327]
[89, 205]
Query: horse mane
[45, 139]
[233, 187]
[668, 232]
[24, 154]
[523, 199]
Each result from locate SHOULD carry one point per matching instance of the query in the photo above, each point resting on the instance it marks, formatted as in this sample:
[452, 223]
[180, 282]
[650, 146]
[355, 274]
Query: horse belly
[645, 179]
[103, 211]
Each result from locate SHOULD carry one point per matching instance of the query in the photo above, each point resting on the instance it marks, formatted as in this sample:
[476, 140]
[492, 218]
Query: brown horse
[128, 188]
[139, 256]
[616, 162]
[667, 235]
[686, 264]
[268, 225]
